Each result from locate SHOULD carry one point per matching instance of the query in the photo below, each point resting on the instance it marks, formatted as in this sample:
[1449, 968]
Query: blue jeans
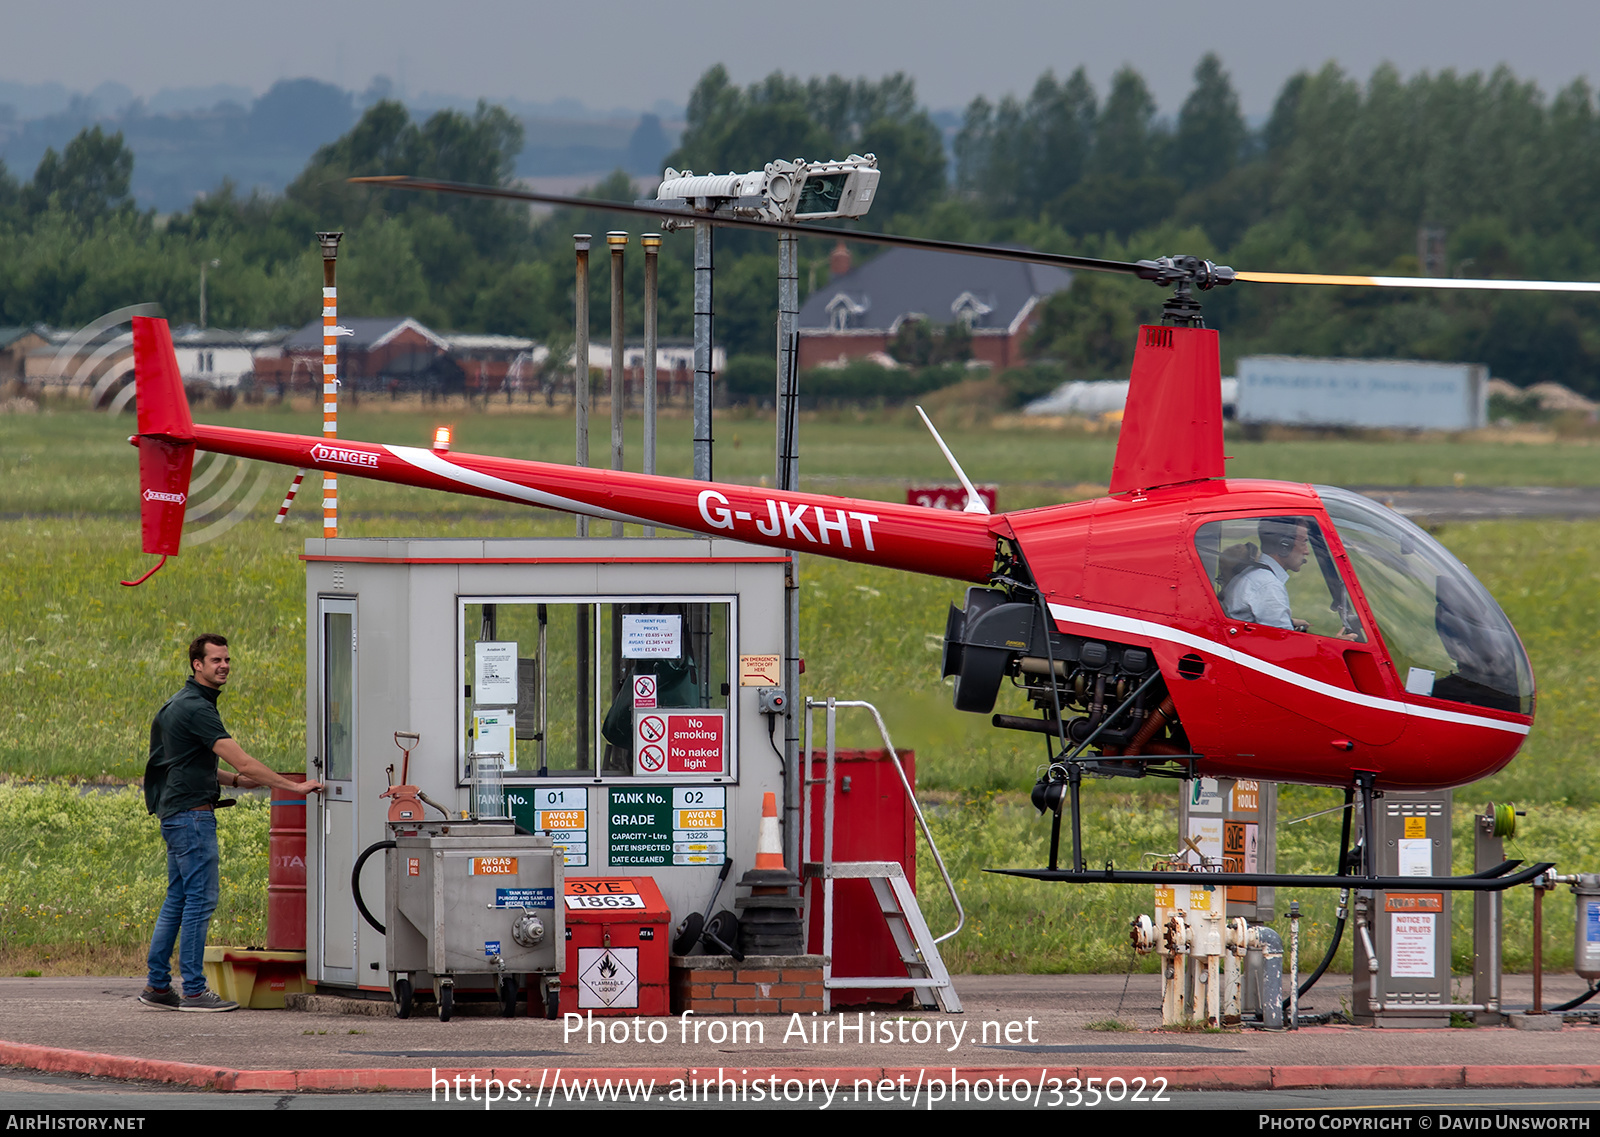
[192, 884]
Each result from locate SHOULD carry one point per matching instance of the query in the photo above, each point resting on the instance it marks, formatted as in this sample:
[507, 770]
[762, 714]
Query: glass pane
[575, 664]
[338, 696]
[553, 652]
[684, 646]
[1447, 636]
[1278, 572]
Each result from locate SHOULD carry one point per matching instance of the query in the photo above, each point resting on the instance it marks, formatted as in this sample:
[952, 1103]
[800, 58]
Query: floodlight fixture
[781, 191]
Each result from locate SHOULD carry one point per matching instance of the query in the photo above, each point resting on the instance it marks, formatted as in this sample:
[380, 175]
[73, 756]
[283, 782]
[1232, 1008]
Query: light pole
[203, 266]
[784, 192]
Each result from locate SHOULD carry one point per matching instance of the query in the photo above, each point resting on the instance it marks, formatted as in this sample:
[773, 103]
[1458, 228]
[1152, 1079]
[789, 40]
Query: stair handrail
[905, 785]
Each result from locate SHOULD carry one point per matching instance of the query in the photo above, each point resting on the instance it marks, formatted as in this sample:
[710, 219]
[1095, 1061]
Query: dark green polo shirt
[182, 771]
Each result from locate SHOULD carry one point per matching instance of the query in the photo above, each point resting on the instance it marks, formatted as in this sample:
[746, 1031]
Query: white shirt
[1260, 597]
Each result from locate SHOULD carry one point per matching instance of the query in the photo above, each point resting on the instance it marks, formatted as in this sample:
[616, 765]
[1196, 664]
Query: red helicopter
[1186, 624]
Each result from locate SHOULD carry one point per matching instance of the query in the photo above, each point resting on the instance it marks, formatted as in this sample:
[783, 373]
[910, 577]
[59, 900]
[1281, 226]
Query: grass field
[88, 660]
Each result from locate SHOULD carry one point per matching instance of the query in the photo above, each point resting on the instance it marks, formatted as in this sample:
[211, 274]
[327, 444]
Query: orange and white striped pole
[330, 376]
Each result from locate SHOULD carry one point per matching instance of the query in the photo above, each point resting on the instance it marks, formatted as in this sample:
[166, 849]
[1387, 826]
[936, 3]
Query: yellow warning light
[441, 439]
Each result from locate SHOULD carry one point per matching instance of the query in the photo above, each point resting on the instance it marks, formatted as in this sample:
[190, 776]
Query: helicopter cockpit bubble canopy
[1447, 637]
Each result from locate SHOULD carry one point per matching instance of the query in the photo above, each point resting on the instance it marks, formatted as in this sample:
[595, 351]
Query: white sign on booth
[652, 636]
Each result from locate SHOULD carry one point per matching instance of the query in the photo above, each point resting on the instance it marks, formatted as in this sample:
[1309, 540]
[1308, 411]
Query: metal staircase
[917, 946]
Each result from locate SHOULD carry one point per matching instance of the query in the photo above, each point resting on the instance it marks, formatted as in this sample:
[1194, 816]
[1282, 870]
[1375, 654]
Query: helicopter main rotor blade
[1446, 282]
[996, 252]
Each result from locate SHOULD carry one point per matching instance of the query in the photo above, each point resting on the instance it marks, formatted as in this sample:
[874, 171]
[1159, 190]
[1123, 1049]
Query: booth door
[337, 689]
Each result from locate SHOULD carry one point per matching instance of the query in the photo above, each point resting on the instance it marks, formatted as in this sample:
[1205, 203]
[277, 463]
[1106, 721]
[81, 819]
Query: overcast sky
[611, 53]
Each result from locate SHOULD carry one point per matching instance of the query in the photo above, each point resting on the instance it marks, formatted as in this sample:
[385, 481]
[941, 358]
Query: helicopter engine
[1000, 635]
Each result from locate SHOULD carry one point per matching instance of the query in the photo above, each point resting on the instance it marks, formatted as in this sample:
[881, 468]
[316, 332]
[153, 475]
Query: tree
[296, 114]
[910, 154]
[729, 129]
[647, 145]
[479, 148]
[1211, 131]
[88, 179]
[1126, 138]
[1060, 135]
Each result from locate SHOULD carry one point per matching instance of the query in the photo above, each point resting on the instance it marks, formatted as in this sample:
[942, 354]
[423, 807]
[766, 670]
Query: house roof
[190, 336]
[369, 333]
[11, 335]
[938, 286]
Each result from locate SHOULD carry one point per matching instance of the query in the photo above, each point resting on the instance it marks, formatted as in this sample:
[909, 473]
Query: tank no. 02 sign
[668, 825]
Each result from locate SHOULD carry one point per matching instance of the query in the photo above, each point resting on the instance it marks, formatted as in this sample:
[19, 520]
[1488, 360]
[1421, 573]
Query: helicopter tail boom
[934, 541]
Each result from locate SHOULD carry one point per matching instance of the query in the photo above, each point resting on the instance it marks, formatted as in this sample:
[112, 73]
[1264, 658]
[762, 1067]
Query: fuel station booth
[581, 733]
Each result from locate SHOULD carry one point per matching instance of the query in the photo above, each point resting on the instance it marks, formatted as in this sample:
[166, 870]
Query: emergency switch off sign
[680, 742]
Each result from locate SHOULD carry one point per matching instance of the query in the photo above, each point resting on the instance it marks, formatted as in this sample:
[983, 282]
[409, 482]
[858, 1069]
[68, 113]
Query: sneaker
[206, 1001]
[163, 1000]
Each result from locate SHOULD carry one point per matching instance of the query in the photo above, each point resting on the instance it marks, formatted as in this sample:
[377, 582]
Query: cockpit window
[1447, 636]
[1278, 572]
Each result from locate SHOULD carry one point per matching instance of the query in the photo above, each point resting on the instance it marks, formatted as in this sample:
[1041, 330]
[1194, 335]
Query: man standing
[182, 787]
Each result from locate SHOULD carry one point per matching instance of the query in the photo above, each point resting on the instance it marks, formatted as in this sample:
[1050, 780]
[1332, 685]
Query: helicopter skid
[1498, 879]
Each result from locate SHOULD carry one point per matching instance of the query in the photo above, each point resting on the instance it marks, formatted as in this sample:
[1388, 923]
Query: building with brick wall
[859, 311]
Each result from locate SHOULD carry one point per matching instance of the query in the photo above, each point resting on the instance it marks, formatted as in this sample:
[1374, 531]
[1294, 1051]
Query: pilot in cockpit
[1257, 588]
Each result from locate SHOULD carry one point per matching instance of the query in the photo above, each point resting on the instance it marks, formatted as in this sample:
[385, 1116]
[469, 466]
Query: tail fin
[1172, 427]
[166, 436]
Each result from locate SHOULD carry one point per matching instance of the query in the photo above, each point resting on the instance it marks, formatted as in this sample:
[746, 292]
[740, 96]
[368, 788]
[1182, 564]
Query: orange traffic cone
[769, 846]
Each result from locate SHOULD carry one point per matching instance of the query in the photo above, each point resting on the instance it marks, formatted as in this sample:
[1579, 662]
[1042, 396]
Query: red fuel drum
[286, 871]
[619, 936]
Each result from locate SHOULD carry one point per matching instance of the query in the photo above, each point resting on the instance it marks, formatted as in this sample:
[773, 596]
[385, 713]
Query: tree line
[1457, 174]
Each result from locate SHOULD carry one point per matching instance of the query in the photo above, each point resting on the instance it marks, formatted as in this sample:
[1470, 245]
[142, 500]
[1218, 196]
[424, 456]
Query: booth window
[552, 684]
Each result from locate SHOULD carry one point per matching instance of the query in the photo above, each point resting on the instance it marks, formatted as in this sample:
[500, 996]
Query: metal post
[1488, 850]
[652, 248]
[1294, 962]
[580, 358]
[213, 263]
[1538, 948]
[788, 472]
[330, 374]
[617, 242]
[702, 350]
[788, 478]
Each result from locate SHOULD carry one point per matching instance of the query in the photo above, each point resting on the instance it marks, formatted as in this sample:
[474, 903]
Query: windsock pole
[330, 377]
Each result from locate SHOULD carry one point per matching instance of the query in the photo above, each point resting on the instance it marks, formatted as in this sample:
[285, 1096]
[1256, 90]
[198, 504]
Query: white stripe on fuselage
[433, 464]
[1128, 624]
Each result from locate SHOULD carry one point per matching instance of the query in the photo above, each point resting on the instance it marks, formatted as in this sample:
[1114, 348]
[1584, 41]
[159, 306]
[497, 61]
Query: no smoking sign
[652, 728]
[686, 742]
